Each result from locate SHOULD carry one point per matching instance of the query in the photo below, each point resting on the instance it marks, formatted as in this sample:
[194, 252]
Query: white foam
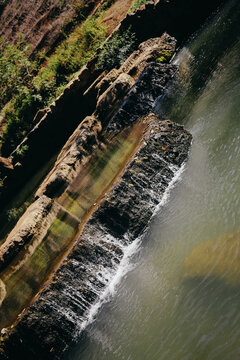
[125, 265]
[165, 197]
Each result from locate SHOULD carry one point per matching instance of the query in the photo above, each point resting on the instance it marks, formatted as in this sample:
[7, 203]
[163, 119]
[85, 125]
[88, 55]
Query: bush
[19, 118]
[15, 69]
[136, 4]
[116, 50]
[70, 56]
[14, 214]
[32, 93]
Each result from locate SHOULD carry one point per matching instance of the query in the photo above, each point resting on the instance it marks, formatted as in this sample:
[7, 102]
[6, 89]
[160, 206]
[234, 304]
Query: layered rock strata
[137, 96]
[89, 92]
[62, 310]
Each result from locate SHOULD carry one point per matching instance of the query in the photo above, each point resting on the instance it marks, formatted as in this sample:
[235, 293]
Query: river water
[159, 311]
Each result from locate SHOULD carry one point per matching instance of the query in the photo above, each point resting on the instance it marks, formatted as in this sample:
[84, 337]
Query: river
[156, 313]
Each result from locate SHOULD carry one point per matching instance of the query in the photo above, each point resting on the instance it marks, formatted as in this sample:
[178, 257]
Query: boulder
[140, 100]
[108, 79]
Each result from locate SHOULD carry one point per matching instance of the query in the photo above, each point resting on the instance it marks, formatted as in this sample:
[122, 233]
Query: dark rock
[140, 100]
[63, 308]
[111, 99]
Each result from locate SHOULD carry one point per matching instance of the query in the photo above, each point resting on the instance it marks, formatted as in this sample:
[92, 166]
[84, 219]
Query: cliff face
[42, 21]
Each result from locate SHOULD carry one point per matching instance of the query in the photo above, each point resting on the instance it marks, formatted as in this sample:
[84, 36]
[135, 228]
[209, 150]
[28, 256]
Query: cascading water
[109, 213]
[160, 311]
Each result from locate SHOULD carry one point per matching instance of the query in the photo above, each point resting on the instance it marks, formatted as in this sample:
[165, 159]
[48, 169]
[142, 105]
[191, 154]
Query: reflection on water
[157, 314]
[33, 266]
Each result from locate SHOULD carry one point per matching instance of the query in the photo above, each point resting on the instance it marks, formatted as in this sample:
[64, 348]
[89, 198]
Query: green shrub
[69, 57]
[19, 118]
[15, 69]
[32, 93]
[14, 214]
[116, 50]
[136, 4]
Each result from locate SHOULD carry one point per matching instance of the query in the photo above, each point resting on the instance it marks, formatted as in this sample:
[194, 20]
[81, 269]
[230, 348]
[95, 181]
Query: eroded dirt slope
[41, 21]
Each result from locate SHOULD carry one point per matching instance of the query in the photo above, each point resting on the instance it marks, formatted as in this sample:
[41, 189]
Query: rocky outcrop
[62, 309]
[141, 98]
[111, 99]
[137, 97]
[30, 229]
[161, 48]
[75, 152]
[179, 18]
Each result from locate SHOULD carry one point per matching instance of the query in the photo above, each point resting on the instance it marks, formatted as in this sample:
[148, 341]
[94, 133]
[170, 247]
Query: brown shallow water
[23, 281]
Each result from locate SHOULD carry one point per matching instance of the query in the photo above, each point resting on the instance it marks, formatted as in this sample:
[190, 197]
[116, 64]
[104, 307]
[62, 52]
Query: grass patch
[33, 90]
[24, 89]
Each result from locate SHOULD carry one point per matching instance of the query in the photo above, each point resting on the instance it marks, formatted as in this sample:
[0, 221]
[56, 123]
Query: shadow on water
[199, 60]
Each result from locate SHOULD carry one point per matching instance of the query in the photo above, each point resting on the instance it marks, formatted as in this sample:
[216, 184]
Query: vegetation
[165, 57]
[116, 50]
[14, 214]
[137, 3]
[15, 69]
[69, 57]
[30, 91]
[24, 88]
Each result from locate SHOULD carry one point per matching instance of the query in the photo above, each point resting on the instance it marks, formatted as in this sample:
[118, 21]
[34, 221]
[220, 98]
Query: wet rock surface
[110, 100]
[141, 98]
[63, 309]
